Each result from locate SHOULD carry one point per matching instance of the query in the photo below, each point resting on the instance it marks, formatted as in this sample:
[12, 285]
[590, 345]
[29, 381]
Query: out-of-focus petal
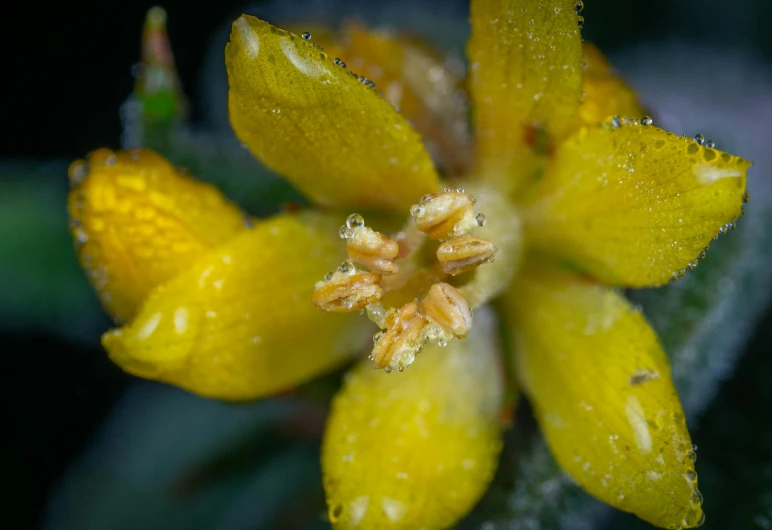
[605, 93]
[138, 222]
[238, 323]
[526, 82]
[314, 122]
[416, 449]
[419, 82]
[601, 389]
[633, 205]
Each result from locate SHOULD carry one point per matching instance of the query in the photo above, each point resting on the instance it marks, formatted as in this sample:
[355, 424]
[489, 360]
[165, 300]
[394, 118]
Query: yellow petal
[238, 323]
[312, 121]
[416, 80]
[601, 389]
[606, 94]
[633, 205]
[415, 449]
[526, 81]
[137, 222]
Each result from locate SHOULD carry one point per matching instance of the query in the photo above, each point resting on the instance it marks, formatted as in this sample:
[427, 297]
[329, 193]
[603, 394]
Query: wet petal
[420, 83]
[239, 323]
[312, 121]
[605, 93]
[138, 222]
[601, 389]
[526, 81]
[415, 449]
[634, 205]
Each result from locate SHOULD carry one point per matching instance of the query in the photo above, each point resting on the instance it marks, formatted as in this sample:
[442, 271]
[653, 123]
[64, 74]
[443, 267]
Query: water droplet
[615, 122]
[690, 475]
[81, 237]
[580, 20]
[388, 369]
[346, 267]
[335, 512]
[480, 219]
[442, 343]
[77, 172]
[700, 139]
[306, 35]
[345, 232]
[646, 121]
[377, 336]
[328, 277]
[710, 143]
[578, 6]
[355, 220]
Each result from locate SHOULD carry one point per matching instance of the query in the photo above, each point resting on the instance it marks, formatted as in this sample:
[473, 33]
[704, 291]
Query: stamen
[398, 345]
[464, 253]
[347, 290]
[444, 313]
[448, 308]
[444, 215]
[369, 248]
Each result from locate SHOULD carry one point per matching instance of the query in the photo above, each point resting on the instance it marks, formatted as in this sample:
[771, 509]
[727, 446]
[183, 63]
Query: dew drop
[700, 139]
[377, 337]
[335, 513]
[328, 277]
[442, 343]
[480, 219]
[77, 172]
[346, 267]
[306, 35]
[710, 143]
[579, 6]
[355, 220]
[345, 232]
[580, 20]
[646, 121]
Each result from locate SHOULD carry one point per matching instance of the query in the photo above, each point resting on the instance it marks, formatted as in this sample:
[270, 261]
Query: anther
[403, 339]
[347, 290]
[464, 253]
[444, 215]
[448, 308]
[369, 248]
[373, 250]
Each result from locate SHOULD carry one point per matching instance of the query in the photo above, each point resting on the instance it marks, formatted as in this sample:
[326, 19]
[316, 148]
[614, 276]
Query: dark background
[65, 71]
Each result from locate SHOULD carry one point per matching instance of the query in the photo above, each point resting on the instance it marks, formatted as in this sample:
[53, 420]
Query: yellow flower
[574, 196]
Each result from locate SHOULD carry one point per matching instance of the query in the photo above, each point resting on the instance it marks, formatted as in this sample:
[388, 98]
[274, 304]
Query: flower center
[436, 246]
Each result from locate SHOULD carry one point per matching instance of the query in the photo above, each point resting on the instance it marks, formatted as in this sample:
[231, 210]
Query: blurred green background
[88, 447]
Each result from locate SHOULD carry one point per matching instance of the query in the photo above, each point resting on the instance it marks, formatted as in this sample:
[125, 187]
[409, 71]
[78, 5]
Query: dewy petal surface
[526, 76]
[137, 222]
[605, 93]
[314, 122]
[238, 323]
[416, 449]
[633, 205]
[601, 389]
